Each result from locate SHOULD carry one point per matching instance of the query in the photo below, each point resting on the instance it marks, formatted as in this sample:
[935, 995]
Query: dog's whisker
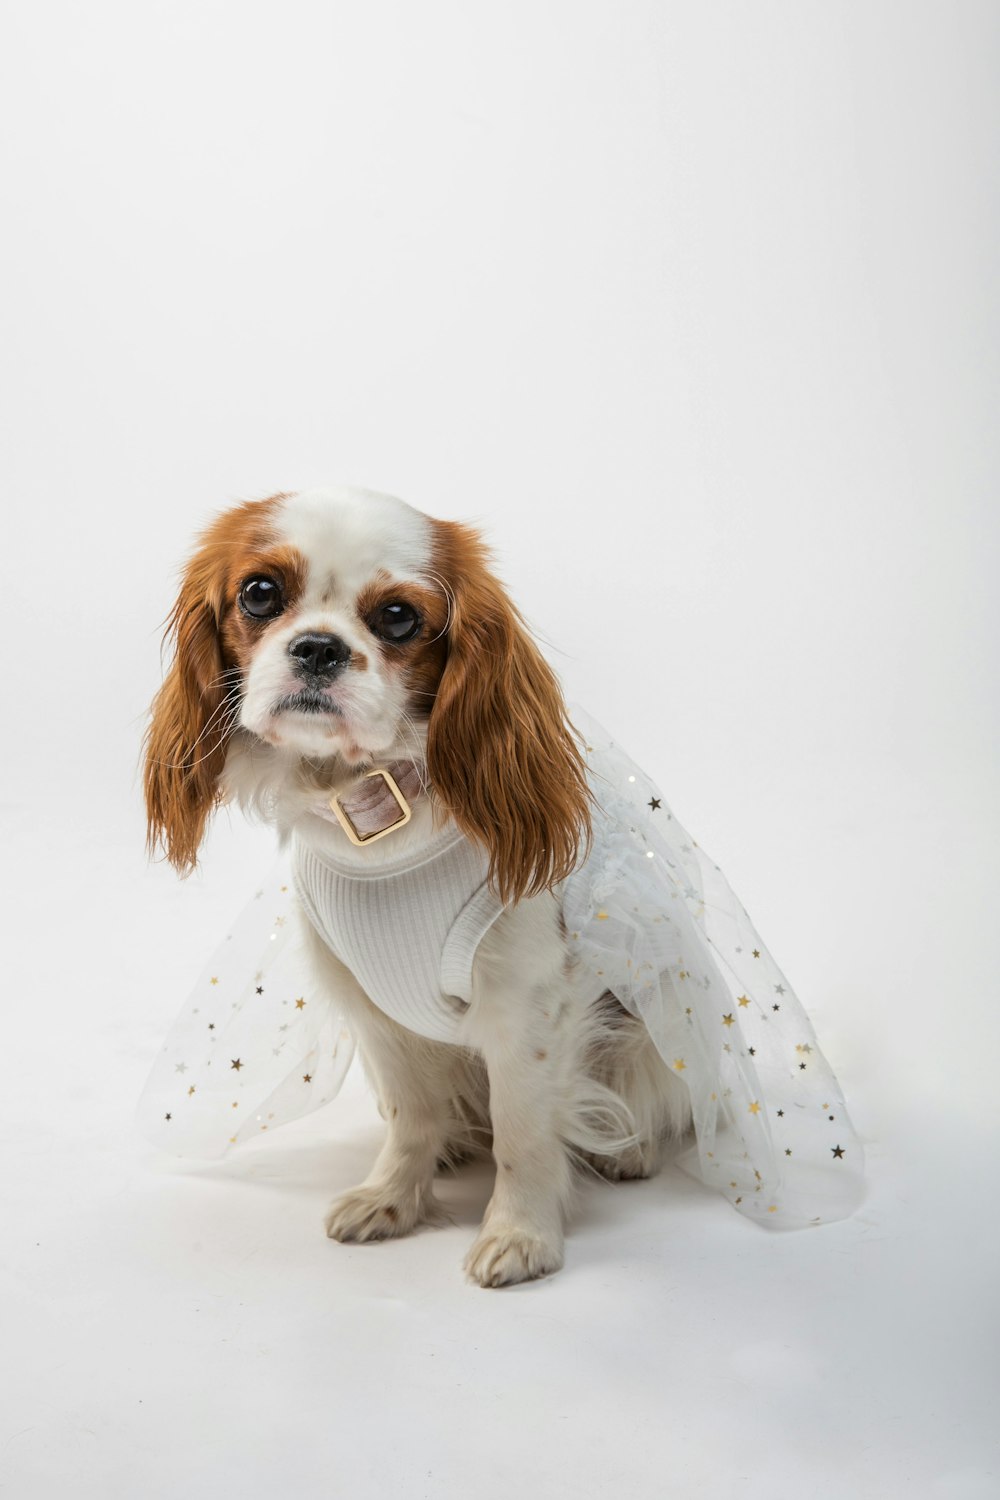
[227, 713]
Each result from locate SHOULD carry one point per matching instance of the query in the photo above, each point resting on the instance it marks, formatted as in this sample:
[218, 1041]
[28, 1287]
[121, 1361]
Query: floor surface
[176, 1330]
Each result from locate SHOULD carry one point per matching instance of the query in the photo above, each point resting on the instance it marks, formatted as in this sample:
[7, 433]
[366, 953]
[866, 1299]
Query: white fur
[348, 534]
[549, 1074]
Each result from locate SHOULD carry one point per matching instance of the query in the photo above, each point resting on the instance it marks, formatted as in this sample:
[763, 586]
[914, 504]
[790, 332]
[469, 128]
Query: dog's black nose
[317, 654]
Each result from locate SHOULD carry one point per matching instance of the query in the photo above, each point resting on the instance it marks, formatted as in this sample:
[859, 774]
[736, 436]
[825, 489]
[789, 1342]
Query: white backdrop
[694, 309]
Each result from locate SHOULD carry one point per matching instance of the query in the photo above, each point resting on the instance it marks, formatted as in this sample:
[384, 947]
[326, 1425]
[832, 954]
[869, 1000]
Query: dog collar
[377, 804]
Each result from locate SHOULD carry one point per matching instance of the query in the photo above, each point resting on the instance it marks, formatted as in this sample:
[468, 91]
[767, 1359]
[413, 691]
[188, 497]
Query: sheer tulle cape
[651, 918]
[255, 1045]
[654, 919]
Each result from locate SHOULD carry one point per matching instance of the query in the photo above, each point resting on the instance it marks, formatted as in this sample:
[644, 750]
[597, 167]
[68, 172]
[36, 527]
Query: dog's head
[333, 629]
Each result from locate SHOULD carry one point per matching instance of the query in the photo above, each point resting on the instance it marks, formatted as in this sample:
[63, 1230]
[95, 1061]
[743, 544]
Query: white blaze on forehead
[346, 535]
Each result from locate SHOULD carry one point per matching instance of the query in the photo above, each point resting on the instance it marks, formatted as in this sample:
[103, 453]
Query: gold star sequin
[838, 1151]
[729, 1020]
[756, 953]
[214, 979]
[601, 916]
[300, 1004]
[743, 1001]
[679, 1064]
[754, 1108]
[236, 1064]
[307, 1078]
[190, 1090]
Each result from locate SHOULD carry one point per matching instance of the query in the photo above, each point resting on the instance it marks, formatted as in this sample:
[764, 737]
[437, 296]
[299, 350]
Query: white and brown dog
[352, 669]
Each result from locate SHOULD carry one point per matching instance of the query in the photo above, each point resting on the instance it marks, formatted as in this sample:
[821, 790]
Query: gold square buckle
[369, 838]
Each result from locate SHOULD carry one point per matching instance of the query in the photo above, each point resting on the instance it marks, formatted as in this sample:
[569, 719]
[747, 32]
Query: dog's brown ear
[185, 742]
[500, 752]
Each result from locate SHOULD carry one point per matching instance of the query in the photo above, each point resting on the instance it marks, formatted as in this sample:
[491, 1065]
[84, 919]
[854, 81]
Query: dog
[353, 670]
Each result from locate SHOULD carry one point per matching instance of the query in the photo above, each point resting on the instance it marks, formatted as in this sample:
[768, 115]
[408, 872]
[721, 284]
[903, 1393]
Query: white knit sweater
[407, 931]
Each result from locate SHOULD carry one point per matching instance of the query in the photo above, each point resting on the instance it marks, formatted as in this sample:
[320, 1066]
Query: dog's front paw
[370, 1213]
[504, 1254]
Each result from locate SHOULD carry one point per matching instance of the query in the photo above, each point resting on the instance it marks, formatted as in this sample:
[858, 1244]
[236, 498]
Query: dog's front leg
[409, 1075]
[524, 1021]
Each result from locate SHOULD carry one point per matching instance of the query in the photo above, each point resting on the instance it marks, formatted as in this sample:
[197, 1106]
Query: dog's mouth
[306, 701]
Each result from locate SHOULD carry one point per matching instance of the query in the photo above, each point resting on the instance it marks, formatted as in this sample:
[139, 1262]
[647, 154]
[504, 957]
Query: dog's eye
[396, 622]
[261, 598]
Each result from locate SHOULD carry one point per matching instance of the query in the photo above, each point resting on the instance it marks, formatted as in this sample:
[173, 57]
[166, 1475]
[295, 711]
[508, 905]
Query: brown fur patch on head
[501, 755]
[193, 712]
[421, 660]
[256, 556]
